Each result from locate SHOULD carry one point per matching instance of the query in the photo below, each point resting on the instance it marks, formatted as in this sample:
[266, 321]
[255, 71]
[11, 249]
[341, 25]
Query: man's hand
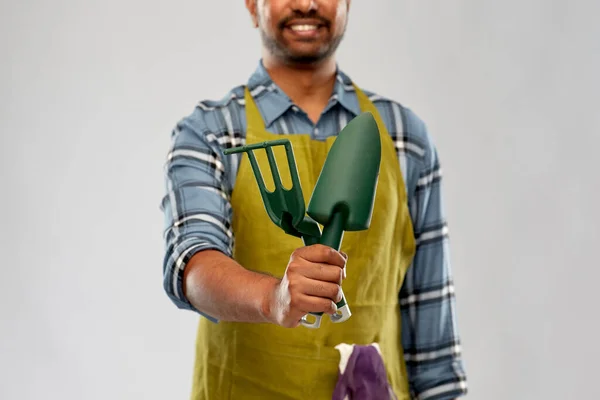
[312, 283]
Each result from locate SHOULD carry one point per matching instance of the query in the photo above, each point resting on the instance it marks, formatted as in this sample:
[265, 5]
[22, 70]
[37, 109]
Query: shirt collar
[273, 102]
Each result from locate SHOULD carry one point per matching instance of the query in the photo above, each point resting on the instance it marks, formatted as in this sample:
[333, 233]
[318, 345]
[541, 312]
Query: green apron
[264, 361]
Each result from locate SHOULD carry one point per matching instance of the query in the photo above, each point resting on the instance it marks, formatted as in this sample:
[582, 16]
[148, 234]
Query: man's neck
[309, 87]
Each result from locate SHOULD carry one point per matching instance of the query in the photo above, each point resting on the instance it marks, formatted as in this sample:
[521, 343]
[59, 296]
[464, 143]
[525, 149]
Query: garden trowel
[344, 194]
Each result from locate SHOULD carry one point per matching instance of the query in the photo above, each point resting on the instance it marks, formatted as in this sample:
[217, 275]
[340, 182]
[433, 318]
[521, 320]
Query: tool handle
[343, 314]
[332, 236]
[309, 240]
[333, 233]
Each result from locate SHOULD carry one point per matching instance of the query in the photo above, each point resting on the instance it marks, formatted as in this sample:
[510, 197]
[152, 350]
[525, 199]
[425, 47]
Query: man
[227, 261]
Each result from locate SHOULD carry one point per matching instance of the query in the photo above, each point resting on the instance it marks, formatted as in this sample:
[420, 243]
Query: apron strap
[367, 105]
[254, 119]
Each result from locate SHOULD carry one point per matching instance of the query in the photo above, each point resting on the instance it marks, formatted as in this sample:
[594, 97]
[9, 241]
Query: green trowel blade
[348, 180]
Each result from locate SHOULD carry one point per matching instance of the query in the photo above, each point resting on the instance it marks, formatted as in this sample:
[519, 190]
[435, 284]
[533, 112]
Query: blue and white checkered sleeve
[429, 328]
[196, 207]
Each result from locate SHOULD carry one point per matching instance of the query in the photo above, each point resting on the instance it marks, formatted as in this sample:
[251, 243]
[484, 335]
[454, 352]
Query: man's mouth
[304, 28]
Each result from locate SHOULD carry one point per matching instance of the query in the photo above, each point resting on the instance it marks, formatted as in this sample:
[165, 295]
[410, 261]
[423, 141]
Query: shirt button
[295, 108]
[316, 131]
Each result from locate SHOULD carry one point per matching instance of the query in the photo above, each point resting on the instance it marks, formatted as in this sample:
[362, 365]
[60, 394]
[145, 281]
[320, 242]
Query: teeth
[304, 27]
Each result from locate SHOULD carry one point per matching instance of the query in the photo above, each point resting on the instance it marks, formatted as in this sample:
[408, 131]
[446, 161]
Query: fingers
[319, 253]
[318, 288]
[311, 304]
[313, 280]
[319, 272]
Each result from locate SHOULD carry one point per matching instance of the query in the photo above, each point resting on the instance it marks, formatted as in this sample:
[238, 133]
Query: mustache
[300, 15]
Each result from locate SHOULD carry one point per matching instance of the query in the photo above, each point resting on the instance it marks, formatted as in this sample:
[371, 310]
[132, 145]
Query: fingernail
[344, 270]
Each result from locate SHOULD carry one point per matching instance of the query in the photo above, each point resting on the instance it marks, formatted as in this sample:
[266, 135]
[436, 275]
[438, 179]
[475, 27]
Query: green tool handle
[332, 236]
[309, 240]
[333, 232]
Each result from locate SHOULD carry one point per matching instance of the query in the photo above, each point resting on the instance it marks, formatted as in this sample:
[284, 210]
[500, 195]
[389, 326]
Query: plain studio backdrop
[89, 93]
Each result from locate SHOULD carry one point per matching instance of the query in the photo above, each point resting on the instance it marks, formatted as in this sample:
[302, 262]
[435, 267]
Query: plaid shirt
[200, 179]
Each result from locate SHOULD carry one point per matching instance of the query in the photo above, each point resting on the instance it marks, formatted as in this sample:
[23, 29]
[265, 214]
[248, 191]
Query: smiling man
[253, 292]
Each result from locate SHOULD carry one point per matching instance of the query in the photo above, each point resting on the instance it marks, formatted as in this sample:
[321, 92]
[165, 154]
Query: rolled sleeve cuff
[175, 262]
[445, 382]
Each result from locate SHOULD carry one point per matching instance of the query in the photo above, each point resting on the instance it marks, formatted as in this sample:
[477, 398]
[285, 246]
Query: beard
[276, 44]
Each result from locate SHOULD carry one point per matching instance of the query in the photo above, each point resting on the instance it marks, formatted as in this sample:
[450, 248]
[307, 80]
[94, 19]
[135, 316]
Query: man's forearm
[220, 287]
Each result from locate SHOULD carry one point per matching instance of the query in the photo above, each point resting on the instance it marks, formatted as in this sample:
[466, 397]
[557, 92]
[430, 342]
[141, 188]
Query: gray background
[89, 92]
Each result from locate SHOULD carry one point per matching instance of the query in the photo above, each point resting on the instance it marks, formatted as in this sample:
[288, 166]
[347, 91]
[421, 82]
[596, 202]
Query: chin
[307, 60]
[305, 56]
